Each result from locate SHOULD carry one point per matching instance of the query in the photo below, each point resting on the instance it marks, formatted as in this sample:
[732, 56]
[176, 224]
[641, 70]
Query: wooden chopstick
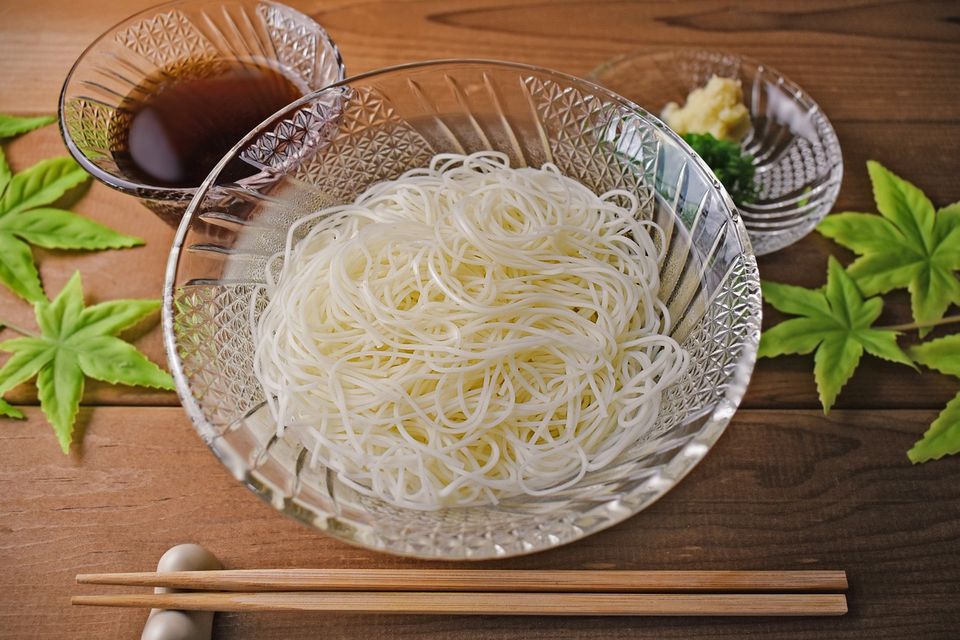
[543, 604]
[498, 580]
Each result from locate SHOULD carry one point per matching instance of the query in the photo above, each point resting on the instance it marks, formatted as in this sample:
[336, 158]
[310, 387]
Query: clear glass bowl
[797, 156]
[167, 41]
[325, 150]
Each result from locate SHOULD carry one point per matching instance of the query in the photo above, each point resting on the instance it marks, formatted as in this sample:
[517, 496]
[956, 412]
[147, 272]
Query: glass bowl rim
[793, 89]
[129, 186]
[679, 465]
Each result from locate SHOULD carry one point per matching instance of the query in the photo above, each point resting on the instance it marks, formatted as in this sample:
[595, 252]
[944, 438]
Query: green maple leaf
[908, 245]
[8, 411]
[75, 342]
[943, 436]
[24, 218]
[14, 125]
[836, 322]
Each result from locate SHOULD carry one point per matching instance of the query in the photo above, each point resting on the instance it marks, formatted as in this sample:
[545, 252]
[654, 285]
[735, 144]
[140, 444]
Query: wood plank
[915, 150]
[863, 60]
[781, 490]
[785, 488]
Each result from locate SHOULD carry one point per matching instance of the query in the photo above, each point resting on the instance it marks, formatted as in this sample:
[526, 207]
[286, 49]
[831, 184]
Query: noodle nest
[467, 332]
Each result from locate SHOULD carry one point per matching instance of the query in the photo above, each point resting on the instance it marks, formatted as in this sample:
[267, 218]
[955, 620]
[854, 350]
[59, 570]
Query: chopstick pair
[492, 592]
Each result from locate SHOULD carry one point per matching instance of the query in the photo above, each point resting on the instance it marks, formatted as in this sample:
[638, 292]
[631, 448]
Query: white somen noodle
[467, 332]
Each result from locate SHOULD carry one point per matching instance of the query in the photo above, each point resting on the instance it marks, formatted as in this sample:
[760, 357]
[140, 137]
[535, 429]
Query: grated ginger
[716, 108]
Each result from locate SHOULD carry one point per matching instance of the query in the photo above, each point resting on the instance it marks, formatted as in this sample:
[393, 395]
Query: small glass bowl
[168, 40]
[798, 162]
[327, 148]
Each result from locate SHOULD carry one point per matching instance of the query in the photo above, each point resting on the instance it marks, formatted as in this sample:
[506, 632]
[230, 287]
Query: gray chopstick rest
[163, 624]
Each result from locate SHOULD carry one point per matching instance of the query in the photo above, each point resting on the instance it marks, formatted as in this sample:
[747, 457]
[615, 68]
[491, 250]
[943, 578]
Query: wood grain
[805, 493]
[858, 49]
[784, 382]
[785, 488]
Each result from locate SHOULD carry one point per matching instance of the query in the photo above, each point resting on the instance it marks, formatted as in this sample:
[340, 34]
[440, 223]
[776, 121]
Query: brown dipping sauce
[182, 126]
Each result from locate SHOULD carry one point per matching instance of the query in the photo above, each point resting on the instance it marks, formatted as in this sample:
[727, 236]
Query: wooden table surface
[785, 488]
